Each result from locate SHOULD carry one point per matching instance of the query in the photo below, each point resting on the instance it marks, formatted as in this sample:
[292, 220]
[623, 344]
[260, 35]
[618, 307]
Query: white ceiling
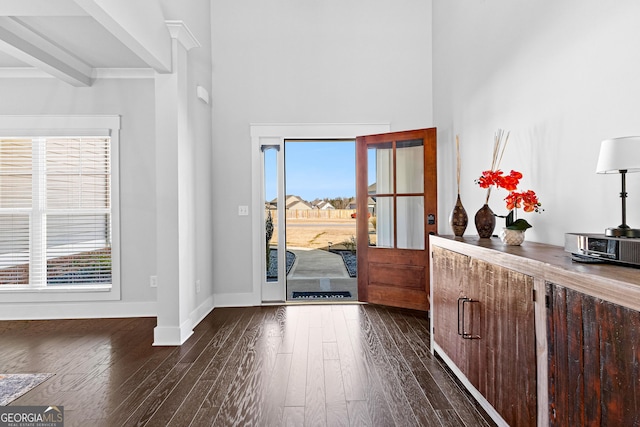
[70, 39]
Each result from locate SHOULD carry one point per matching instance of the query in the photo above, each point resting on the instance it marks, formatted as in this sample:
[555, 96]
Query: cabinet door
[507, 360]
[500, 360]
[451, 281]
[594, 360]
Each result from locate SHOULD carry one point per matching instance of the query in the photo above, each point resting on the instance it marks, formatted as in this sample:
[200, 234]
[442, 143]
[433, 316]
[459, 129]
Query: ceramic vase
[458, 218]
[485, 221]
[512, 237]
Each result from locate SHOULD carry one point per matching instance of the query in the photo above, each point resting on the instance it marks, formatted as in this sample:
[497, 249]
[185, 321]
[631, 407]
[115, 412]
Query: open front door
[396, 210]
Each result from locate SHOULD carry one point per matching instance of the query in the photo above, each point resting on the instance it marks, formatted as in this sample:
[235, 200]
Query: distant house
[297, 203]
[322, 205]
[371, 200]
[351, 204]
[371, 203]
[291, 202]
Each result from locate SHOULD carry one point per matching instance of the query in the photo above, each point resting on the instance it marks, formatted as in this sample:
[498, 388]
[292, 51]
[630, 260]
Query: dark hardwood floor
[334, 365]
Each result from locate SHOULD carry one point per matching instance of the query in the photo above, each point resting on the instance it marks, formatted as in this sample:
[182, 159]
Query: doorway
[320, 223]
[268, 163]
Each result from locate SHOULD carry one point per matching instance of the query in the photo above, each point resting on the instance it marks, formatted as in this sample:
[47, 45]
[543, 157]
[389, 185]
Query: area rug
[321, 295]
[12, 386]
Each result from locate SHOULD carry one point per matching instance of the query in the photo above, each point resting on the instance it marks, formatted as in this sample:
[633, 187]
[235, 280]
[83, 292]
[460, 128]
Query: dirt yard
[318, 232]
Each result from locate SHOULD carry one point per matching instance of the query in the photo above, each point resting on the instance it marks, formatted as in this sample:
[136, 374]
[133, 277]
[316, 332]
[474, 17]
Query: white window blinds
[55, 211]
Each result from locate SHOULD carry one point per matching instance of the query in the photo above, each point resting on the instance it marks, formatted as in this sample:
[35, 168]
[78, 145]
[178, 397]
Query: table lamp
[620, 155]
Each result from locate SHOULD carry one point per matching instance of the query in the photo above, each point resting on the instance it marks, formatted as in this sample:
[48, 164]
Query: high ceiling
[72, 39]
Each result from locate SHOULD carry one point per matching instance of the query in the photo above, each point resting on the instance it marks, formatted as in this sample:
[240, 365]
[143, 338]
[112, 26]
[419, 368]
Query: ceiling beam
[40, 8]
[19, 41]
[139, 25]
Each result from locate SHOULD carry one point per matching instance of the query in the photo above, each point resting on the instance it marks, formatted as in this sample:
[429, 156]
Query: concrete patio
[319, 270]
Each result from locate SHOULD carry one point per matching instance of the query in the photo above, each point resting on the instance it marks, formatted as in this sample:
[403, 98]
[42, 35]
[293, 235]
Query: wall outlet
[243, 210]
[153, 281]
[198, 286]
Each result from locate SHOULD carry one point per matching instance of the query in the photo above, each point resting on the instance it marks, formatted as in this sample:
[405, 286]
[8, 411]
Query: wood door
[396, 210]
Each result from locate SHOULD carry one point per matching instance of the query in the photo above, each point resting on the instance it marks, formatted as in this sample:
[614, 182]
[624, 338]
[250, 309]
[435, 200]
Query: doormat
[321, 295]
[12, 386]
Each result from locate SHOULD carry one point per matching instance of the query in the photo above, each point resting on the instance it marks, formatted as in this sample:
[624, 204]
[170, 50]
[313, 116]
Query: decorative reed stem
[499, 144]
[458, 163]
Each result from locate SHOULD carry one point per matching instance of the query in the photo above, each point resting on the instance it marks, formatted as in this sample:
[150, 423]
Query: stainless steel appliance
[598, 247]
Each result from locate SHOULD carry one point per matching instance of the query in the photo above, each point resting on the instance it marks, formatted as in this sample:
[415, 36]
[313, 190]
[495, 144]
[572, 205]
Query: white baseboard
[202, 311]
[174, 335]
[77, 310]
[248, 299]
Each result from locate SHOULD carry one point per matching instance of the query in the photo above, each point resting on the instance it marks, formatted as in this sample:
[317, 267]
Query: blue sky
[315, 170]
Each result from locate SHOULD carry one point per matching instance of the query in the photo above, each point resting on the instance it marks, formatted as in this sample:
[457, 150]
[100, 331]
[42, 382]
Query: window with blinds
[55, 211]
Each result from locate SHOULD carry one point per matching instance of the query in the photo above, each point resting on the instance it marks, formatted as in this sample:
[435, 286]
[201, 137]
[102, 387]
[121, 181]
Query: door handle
[461, 304]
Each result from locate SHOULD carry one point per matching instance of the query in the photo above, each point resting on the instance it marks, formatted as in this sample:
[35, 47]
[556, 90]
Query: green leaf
[520, 224]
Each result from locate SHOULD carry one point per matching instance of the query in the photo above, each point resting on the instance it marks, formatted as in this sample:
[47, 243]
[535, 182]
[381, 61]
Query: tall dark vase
[458, 218]
[485, 221]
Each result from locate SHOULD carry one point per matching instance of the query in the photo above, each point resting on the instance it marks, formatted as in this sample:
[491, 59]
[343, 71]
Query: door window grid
[397, 183]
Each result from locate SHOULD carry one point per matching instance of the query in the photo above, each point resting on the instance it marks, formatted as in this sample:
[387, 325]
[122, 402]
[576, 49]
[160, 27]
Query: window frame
[72, 126]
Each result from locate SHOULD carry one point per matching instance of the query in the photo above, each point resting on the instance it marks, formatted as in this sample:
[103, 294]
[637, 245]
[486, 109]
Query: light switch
[243, 210]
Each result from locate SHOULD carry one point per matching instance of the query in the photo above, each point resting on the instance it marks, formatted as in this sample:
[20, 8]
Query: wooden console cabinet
[536, 338]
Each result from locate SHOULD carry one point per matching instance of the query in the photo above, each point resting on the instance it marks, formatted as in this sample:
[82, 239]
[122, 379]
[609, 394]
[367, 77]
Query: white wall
[561, 76]
[134, 100]
[131, 100]
[288, 61]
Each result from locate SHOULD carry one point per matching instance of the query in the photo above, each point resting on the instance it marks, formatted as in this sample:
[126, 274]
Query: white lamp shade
[618, 154]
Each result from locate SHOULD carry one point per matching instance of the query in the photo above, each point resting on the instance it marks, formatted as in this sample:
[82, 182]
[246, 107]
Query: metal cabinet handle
[461, 302]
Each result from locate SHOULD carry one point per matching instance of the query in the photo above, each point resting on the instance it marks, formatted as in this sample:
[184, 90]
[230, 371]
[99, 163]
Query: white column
[173, 195]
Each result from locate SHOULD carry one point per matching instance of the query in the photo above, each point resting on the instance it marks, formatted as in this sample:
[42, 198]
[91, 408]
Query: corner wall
[561, 76]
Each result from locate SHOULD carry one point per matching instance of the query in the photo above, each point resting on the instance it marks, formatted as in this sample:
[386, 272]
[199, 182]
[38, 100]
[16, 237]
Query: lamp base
[622, 232]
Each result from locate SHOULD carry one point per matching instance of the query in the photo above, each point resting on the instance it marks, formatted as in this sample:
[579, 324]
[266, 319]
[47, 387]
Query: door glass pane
[380, 168]
[271, 214]
[409, 169]
[383, 223]
[411, 222]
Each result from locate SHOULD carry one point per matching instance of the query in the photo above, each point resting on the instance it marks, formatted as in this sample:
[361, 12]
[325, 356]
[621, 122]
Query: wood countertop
[614, 283]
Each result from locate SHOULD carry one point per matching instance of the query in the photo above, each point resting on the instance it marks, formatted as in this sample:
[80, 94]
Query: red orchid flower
[508, 182]
[528, 198]
[489, 178]
[515, 200]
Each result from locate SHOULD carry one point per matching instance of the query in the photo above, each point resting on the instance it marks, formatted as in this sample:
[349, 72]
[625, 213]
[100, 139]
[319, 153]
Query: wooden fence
[316, 213]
